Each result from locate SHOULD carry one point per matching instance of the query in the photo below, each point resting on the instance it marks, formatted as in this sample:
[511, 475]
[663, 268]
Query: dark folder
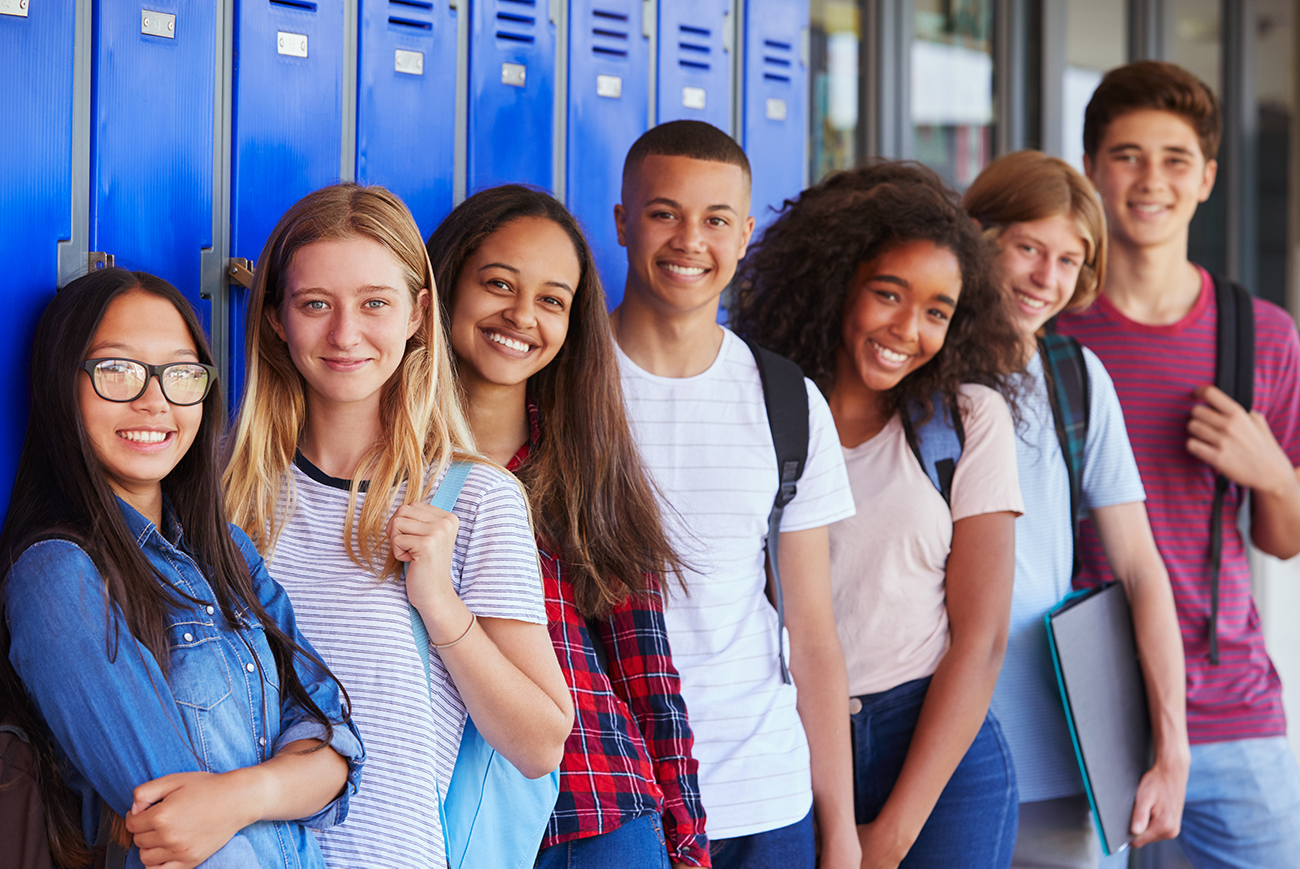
[1091, 636]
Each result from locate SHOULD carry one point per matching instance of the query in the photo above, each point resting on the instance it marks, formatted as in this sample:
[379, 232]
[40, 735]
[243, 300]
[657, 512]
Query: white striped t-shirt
[707, 444]
[361, 625]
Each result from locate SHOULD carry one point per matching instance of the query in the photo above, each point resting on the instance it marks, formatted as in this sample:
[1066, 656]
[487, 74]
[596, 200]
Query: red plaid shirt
[629, 754]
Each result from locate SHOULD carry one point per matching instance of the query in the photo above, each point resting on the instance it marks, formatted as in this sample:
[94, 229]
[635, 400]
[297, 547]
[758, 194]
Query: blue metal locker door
[694, 62]
[36, 189]
[287, 120]
[775, 102]
[511, 93]
[406, 102]
[609, 102]
[151, 148]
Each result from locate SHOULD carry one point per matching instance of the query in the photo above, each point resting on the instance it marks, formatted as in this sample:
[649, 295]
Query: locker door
[694, 62]
[775, 102]
[287, 125]
[151, 151]
[511, 93]
[609, 102]
[36, 189]
[406, 100]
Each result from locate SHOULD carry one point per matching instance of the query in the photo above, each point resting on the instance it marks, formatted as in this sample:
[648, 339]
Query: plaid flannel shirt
[629, 754]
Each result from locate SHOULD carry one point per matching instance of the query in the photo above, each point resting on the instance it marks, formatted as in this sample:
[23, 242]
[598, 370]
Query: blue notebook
[1090, 633]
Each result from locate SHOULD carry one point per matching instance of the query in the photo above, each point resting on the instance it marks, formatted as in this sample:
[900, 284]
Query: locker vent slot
[414, 14]
[778, 60]
[609, 33]
[516, 20]
[412, 4]
[304, 5]
[694, 50]
[409, 22]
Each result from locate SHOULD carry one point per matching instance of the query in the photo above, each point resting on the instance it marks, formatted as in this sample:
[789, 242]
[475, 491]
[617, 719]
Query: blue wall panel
[511, 93]
[406, 102]
[36, 192]
[151, 137]
[694, 68]
[287, 124]
[775, 102]
[609, 103]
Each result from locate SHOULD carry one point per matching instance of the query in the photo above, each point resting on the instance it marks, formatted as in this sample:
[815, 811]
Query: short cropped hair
[694, 139]
[1028, 186]
[1153, 84]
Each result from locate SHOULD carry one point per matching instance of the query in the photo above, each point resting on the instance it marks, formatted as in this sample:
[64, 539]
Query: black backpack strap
[1234, 373]
[1069, 393]
[938, 443]
[786, 399]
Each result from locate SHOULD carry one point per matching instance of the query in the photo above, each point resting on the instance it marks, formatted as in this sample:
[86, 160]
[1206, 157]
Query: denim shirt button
[262, 741]
[211, 610]
[189, 638]
[252, 668]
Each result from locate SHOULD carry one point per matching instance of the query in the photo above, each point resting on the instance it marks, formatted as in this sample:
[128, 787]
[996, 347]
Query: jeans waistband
[907, 694]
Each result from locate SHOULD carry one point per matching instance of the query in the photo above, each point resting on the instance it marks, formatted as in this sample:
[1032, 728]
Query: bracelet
[472, 620]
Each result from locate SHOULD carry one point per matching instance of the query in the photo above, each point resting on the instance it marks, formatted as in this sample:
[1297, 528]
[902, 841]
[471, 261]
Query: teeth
[1149, 209]
[1031, 301]
[690, 271]
[508, 342]
[890, 355]
[144, 437]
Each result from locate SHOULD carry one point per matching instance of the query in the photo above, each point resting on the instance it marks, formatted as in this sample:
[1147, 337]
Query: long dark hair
[61, 491]
[792, 286]
[585, 481]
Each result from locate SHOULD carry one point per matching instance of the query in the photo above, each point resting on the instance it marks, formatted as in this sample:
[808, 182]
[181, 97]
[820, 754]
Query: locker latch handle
[241, 271]
[97, 259]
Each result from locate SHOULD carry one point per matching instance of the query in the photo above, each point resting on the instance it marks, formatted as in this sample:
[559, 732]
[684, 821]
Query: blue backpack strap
[444, 499]
[937, 443]
[1069, 393]
[786, 400]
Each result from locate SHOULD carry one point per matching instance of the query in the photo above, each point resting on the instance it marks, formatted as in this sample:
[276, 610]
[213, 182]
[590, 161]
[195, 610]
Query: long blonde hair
[1028, 186]
[420, 412]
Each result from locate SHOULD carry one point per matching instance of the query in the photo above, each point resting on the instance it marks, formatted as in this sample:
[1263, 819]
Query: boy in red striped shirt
[1151, 135]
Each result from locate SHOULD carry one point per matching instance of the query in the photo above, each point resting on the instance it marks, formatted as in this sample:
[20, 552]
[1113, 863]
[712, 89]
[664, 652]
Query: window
[952, 87]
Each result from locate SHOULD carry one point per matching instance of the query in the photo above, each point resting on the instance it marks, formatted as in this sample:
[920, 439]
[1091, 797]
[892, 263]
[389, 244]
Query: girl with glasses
[154, 665]
[350, 418]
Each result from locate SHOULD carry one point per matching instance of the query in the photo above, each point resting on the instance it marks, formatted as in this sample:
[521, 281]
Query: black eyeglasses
[183, 383]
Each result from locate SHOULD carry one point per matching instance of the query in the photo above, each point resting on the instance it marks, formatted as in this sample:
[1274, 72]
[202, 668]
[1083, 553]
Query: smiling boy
[1151, 135]
[767, 752]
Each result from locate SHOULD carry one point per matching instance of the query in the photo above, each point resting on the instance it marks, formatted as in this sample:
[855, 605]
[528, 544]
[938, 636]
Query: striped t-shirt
[1155, 369]
[706, 443]
[361, 625]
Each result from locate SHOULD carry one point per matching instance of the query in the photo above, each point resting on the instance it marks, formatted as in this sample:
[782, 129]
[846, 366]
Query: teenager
[526, 319]
[349, 419]
[1151, 135]
[768, 753]
[1051, 234]
[151, 660]
[877, 285]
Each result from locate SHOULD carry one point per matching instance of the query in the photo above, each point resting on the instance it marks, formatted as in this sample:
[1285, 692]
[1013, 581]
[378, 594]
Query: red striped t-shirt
[1155, 369]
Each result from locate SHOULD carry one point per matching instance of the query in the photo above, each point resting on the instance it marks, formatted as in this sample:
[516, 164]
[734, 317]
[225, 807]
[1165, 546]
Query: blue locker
[511, 93]
[36, 189]
[151, 146]
[694, 62]
[775, 102]
[287, 125]
[406, 100]
[609, 104]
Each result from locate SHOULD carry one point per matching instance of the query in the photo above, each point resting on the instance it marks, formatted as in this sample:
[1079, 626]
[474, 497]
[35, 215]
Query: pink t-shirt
[1155, 369]
[889, 562]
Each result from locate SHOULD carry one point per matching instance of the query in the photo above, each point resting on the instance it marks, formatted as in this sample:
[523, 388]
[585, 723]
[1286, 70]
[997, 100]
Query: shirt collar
[141, 528]
[534, 434]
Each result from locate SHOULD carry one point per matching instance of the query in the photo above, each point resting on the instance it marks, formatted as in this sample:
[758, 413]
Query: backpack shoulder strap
[1068, 391]
[938, 443]
[444, 499]
[786, 399]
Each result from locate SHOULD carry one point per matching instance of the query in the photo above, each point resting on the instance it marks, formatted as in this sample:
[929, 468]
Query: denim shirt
[119, 724]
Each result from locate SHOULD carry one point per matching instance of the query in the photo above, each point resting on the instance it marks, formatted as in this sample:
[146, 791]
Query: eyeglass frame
[150, 372]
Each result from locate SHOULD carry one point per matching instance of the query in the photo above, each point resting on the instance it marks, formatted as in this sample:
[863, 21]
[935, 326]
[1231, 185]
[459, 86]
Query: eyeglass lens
[124, 380]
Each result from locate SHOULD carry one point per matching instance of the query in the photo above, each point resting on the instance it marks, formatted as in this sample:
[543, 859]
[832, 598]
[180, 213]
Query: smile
[1030, 301]
[685, 271]
[889, 355]
[498, 338]
[344, 364]
[1150, 210]
[145, 437]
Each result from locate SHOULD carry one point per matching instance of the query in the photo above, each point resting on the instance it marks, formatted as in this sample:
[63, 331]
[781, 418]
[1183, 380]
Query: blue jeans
[638, 844]
[789, 847]
[1242, 809]
[974, 823]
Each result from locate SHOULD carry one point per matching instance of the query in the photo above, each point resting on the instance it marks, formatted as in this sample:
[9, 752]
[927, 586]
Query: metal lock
[609, 86]
[291, 44]
[693, 98]
[157, 24]
[513, 74]
[409, 62]
[16, 8]
[776, 109]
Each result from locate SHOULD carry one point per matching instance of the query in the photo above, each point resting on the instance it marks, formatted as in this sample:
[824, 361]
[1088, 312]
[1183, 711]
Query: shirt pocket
[199, 676]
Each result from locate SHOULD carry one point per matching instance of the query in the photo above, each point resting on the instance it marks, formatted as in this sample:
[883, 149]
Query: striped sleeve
[495, 569]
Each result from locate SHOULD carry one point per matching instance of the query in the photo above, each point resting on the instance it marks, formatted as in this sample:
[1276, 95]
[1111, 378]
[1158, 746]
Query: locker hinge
[729, 33]
[648, 18]
[241, 271]
[555, 11]
[453, 4]
[97, 259]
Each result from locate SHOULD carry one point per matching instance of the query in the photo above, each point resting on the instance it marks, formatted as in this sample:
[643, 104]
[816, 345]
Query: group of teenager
[202, 632]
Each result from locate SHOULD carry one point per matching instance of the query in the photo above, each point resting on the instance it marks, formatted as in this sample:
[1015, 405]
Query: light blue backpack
[494, 817]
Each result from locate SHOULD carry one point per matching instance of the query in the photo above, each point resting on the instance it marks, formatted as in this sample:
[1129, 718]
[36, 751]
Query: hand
[180, 820]
[1158, 810]
[882, 846]
[834, 852]
[1235, 443]
[424, 536]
